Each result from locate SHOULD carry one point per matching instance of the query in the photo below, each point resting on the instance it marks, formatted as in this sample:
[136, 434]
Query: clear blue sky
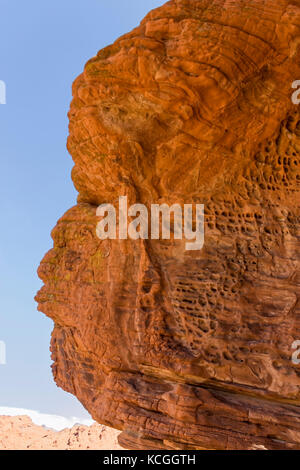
[43, 47]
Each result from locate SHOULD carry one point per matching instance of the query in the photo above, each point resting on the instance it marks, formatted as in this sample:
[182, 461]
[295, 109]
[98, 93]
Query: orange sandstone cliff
[186, 349]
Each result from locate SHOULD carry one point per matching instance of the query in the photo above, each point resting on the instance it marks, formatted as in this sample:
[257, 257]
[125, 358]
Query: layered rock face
[186, 349]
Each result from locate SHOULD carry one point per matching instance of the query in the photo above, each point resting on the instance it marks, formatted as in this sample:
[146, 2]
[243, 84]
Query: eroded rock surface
[186, 349]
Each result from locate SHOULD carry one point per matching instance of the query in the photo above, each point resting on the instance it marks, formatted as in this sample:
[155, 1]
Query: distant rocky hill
[20, 433]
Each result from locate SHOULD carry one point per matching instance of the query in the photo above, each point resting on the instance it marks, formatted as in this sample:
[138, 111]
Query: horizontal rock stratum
[186, 349]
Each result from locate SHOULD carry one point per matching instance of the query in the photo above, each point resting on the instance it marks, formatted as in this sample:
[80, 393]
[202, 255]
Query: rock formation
[19, 433]
[186, 349]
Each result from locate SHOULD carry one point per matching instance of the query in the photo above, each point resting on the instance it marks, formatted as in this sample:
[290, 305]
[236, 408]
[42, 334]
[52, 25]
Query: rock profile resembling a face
[186, 349]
